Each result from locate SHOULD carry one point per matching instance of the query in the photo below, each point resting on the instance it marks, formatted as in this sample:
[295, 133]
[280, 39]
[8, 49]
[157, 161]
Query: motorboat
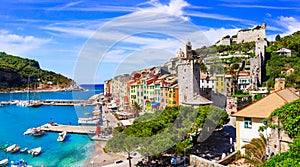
[95, 120]
[35, 104]
[28, 131]
[4, 162]
[96, 113]
[10, 148]
[15, 149]
[37, 132]
[62, 136]
[35, 151]
[3, 146]
[20, 163]
[23, 150]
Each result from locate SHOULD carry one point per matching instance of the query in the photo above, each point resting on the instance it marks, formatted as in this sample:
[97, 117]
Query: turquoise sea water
[14, 120]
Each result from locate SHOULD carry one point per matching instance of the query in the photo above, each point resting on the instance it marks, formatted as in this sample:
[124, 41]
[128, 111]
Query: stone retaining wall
[196, 161]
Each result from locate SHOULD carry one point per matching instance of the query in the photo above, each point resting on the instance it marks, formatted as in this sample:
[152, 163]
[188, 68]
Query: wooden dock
[90, 130]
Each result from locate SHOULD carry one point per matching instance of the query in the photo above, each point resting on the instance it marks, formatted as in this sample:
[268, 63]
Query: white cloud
[289, 24]
[215, 34]
[79, 32]
[72, 4]
[19, 45]
[103, 8]
[174, 8]
[261, 6]
[216, 16]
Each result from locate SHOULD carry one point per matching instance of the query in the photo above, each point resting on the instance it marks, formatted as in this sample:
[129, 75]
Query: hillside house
[250, 118]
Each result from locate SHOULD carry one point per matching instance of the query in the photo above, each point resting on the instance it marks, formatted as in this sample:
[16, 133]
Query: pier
[90, 130]
[52, 102]
[67, 102]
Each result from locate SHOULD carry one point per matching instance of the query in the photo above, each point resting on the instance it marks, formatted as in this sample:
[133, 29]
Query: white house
[284, 51]
[250, 118]
[244, 80]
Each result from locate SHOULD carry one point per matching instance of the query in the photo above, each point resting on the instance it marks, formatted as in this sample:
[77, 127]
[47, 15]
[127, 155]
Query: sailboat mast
[28, 91]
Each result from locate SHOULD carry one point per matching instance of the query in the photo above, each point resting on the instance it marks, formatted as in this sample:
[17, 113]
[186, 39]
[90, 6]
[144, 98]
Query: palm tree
[137, 108]
[255, 151]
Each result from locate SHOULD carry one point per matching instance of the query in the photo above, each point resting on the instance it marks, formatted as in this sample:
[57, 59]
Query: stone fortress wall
[246, 35]
[253, 34]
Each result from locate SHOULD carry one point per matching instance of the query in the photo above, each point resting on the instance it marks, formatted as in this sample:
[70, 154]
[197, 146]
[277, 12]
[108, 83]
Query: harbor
[50, 102]
[73, 129]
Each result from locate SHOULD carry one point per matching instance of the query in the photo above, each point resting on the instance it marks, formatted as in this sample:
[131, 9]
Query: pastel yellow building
[173, 95]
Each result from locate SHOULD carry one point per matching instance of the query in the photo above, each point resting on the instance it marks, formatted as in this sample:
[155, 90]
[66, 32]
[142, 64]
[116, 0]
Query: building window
[247, 123]
[265, 122]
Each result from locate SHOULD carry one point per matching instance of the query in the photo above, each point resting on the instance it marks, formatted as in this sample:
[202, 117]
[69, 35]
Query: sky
[92, 41]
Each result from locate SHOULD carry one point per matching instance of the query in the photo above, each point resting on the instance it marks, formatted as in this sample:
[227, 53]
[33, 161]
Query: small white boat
[23, 150]
[20, 163]
[35, 151]
[4, 162]
[62, 136]
[15, 149]
[28, 131]
[10, 148]
[96, 113]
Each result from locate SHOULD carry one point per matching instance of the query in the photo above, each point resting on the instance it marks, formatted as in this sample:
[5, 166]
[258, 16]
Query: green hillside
[276, 63]
[15, 72]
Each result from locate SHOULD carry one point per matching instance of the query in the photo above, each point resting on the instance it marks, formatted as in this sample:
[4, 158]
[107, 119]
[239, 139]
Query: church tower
[188, 50]
[188, 76]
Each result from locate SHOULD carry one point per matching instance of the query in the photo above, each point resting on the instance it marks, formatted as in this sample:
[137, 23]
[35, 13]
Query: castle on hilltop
[245, 35]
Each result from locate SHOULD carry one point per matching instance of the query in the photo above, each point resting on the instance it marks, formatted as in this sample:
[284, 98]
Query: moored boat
[28, 131]
[3, 146]
[20, 163]
[35, 104]
[23, 150]
[95, 120]
[62, 136]
[4, 162]
[96, 113]
[15, 149]
[10, 148]
[37, 132]
[35, 151]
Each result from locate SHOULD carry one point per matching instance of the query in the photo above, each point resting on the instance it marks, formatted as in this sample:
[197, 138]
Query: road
[111, 120]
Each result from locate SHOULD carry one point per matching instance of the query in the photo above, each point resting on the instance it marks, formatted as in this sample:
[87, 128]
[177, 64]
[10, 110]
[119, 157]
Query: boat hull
[35, 151]
[4, 162]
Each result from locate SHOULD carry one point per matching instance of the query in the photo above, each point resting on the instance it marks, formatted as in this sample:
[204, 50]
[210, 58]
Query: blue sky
[92, 41]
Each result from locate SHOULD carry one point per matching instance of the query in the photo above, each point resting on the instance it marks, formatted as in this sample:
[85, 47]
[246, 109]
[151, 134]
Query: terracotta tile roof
[287, 95]
[264, 107]
[163, 76]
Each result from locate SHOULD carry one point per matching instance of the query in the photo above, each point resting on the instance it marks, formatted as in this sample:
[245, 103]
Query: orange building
[173, 95]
